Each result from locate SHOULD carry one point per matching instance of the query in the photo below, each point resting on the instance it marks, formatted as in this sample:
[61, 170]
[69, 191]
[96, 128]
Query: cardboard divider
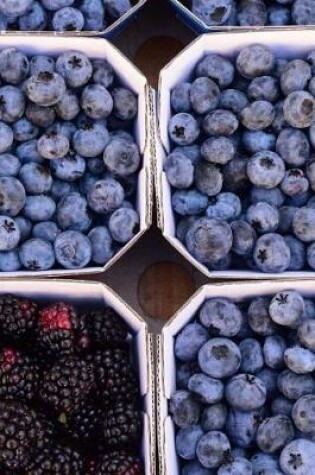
[286, 45]
[193, 22]
[110, 32]
[81, 293]
[130, 77]
[167, 364]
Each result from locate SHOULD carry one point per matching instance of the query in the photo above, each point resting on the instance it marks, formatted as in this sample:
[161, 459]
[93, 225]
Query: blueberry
[293, 146]
[189, 202]
[214, 417]
[213, 449]
[262, 462]
[14, 65]
[281, 406]
[117, 8]
[298, 200]
[209, 239]
[69, 168]
[299, 360]
[35, 178]
[221, 317]
[73, 213]
[218, 150]
[245, 392]
[293, 386]
[121, 157]
[94, 15]
[309, 309]
[124, 224]
[73, 250]
[101, 242]
[273, 196]
[103, 72]
[24, 130]
[297, 458]
[219, 358]
[41, 63]
[96, 101]
[9, 261]
[265, 169]
[310, 173]
[274, 433]
[45, 88]
[244, 238]
[12, 104]
[39, 208]
[35, 19]
[206, 390]
[220, 122]
[185, 410]
[53, 5]
[294, 182]
[304, 224]
[68, 19]
[286, 308]
[258, 115]
[179, 170]
[241, 427]
[255, 60]
[263, 217]
[68, 107]
[186, 441]
[252, 359]
[271, 253]
[208, 179]
[105, 196]
[306, 334]
[234, 100]
[295, 76]
[6, 137]
[235, 177]
[183, 129]
[37, 255]
[91, 139]
[273, 349]
[12, 196]
[184, 371]
[298, 253]
[75, 67]
[286, 215]
[239, 466]
[46, 230]
[259, 317]
[213, 13]
[195, 468]
[303, 12]
[279, 123]
[180, 97]
[258, 141]
[204, 95]
[251, 13]
[299, 109]
[25, 227]
[279, 15]
[40, 116]
[263, 88]
[269, 377]
[125, 103]
[9, 233]
[9, 165]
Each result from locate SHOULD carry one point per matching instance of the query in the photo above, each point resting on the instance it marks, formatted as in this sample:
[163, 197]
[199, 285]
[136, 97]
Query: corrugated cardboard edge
[109, 32]
[256, 288]
[146, 167]
[200, 27]
[160, 151]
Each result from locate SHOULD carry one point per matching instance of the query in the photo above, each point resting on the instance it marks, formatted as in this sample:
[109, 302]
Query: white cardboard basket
[129, 76]
[168, 460]
[82, 293]
[288, 44]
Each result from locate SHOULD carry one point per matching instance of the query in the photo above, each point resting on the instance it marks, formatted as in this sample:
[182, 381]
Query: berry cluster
[61, 15]
[253, 12]
[245, 398]
[68, 162]
[69, 394]
[242, 166]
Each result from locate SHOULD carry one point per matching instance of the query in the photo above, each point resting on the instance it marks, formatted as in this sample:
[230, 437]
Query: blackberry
[119, 463]
[18, 317]
[84, 424]
[56, 460]
[122, 426]
[22, 435]
[61, 330]
[19, 375]
[115, 376]
[67, 384]
[107, 329]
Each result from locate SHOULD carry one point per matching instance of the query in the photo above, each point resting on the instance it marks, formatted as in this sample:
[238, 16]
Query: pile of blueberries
[242, 165]
[61, 15]
[253, 12]
[245, 398]
[68, 162]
